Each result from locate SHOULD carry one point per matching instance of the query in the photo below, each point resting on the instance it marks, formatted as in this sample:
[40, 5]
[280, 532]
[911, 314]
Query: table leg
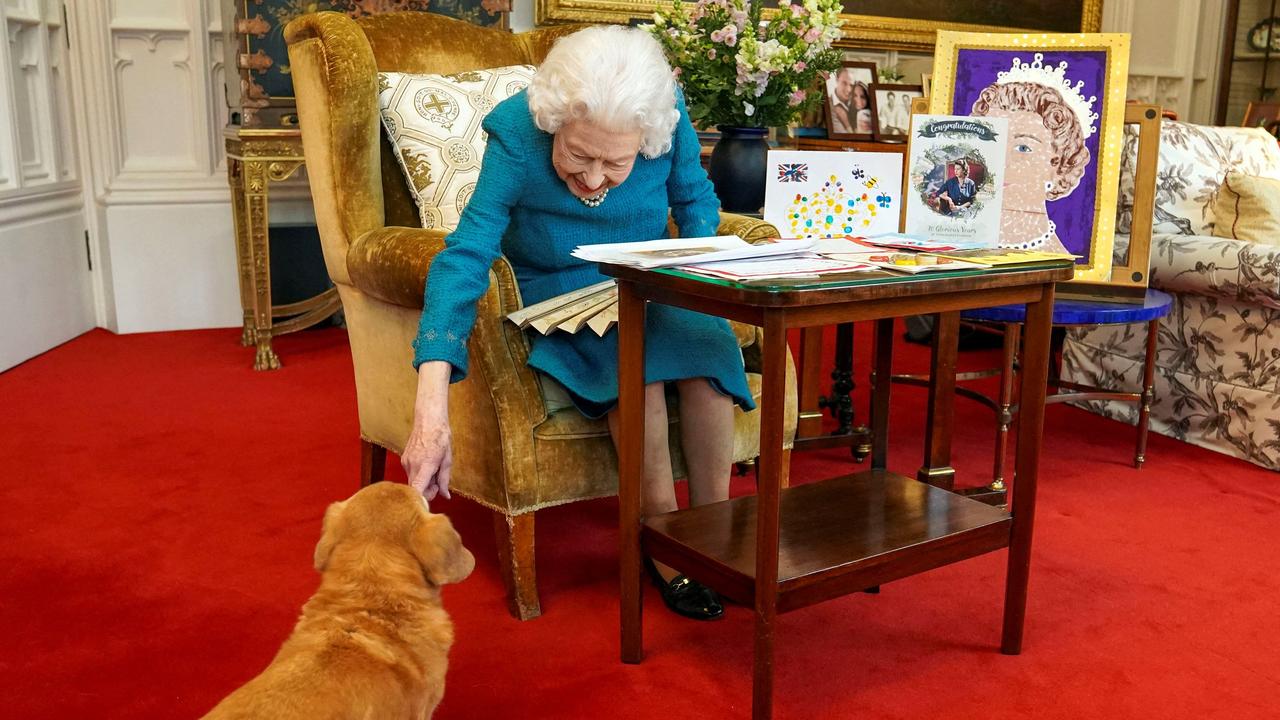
[937, 468]
[1012, 336]
[881, 382]
[1034, 380]
[631, 318]
[768, 492]
[1148, 392]
[244, 264]
[840, 401]
[255, 219]
[810, 421]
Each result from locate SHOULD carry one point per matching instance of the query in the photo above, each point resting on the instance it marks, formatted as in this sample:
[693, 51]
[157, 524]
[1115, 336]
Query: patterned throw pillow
[1248, 208]
[433, 122]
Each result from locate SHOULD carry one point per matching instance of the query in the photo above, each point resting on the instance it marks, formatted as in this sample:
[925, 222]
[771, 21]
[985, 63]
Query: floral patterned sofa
[1218, 365]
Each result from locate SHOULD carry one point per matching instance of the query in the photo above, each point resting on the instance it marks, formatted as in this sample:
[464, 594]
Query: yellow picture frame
[860, 30]
[1111, 50]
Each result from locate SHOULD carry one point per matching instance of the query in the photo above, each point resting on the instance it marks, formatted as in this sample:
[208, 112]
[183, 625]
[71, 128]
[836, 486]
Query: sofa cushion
[1194, 160]
[433, 122]
[1248, 208]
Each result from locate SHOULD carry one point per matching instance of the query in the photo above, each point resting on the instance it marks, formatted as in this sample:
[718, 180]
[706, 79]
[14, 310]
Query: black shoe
[686, 597]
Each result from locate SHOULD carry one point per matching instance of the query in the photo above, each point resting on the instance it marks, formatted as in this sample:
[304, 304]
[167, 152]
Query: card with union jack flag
[793, 172]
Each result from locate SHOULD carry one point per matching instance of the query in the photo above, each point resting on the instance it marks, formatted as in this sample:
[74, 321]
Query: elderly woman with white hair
[598, 149]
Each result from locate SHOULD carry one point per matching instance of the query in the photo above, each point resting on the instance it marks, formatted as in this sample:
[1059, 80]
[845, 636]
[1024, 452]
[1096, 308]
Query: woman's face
[859, 96]
[1029, 166]
[589, 158]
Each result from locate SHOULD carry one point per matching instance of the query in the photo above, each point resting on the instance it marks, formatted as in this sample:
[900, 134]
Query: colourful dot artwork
[837, 208]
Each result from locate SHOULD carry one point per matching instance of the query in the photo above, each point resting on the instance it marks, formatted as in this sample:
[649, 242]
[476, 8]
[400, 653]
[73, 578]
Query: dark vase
[739, 162]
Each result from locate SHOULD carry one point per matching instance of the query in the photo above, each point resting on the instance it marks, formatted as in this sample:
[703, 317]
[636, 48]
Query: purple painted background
[976, 69]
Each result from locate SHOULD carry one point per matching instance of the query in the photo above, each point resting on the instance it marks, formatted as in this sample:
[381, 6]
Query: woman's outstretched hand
[428, 453]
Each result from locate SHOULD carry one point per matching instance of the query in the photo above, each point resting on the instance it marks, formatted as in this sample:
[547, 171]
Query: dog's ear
[328, 534]
[439, 550]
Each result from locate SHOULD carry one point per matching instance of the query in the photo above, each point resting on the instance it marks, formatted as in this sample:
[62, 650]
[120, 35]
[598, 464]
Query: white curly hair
[610, 75]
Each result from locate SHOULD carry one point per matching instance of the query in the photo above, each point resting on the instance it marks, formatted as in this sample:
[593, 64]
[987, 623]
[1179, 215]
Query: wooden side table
[255, 159]
[784, 549]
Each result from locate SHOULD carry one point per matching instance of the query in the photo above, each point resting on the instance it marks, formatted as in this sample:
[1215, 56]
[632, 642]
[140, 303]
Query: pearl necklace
[595, 200]
[1037, 242]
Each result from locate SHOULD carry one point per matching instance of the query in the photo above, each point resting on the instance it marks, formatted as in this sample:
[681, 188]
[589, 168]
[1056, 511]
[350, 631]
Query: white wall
[151, 74]
[44, 276]
[1175, 55]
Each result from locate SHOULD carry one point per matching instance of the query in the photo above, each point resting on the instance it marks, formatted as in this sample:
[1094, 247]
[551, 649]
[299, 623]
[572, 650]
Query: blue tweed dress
[522, 210]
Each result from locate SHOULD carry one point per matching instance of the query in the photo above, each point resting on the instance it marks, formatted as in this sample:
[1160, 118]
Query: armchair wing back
[510, 454]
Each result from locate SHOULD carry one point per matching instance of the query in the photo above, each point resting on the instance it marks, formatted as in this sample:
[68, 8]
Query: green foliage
[738, 70]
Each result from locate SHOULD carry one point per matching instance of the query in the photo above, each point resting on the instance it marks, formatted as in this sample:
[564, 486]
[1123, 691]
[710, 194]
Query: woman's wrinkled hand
[428, 453]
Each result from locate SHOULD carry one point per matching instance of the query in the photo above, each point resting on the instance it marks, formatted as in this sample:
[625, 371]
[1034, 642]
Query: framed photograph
[848, 102]
[1064, 98]
[926, 82]
[1262, 115]
[891, 110]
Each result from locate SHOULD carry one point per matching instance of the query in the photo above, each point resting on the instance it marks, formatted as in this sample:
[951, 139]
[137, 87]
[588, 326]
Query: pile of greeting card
[951, 204]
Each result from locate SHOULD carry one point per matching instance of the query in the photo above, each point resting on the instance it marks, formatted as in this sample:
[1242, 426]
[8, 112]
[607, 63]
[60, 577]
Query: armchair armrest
[749, 229]
[1243, 272]
[391, 264]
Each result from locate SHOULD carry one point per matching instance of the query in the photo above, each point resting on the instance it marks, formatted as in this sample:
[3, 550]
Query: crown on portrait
[1055, 77]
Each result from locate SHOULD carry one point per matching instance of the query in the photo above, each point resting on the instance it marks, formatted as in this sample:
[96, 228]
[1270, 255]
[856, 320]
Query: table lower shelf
[836, 537]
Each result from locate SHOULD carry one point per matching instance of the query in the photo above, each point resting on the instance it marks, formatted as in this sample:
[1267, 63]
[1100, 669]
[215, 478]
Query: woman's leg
[657, 493]
[706, 435]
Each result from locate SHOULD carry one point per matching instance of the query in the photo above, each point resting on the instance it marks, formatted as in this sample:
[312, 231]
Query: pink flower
[711, 54]
[799, 66]
[797, 97]
[727, 34]
[813, 35]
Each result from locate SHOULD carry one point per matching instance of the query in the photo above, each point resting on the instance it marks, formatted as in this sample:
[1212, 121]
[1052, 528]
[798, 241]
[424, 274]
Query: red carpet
[161, 501]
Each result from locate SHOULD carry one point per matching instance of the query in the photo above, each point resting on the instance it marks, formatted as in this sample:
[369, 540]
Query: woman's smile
[583, 189]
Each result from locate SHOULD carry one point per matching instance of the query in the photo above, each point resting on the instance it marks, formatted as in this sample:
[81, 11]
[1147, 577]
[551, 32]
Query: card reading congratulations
[956, 177]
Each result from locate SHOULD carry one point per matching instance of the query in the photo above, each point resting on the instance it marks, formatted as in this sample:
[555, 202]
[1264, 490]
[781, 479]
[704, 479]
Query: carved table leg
[840, 401]
[255, 200]
[244, 263]
[1012, 337]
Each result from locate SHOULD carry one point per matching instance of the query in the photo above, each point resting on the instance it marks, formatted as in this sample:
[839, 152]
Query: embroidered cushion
[433, 122]
[1248, 208]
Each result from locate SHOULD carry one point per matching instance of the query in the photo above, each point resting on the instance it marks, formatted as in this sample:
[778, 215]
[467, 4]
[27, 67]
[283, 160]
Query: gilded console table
[255, 159]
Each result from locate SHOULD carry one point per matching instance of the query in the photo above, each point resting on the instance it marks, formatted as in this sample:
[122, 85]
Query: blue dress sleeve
[459, 274]
[692, 198]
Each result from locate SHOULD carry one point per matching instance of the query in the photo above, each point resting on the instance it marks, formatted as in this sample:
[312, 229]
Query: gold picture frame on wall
[888, 24]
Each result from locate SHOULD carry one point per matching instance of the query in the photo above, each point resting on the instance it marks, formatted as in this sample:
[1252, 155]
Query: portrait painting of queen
[1063, 97]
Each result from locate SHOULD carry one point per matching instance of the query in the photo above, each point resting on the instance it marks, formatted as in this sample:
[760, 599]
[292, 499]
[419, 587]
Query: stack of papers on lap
[684, 251]
[786, 267]
[594, 306]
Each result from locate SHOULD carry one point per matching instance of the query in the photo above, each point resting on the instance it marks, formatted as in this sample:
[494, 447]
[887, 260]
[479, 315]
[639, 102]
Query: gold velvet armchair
[510, 455]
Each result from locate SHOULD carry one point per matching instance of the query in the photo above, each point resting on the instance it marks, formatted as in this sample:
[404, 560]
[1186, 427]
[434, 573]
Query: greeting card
[956, 177]
[812, 194]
